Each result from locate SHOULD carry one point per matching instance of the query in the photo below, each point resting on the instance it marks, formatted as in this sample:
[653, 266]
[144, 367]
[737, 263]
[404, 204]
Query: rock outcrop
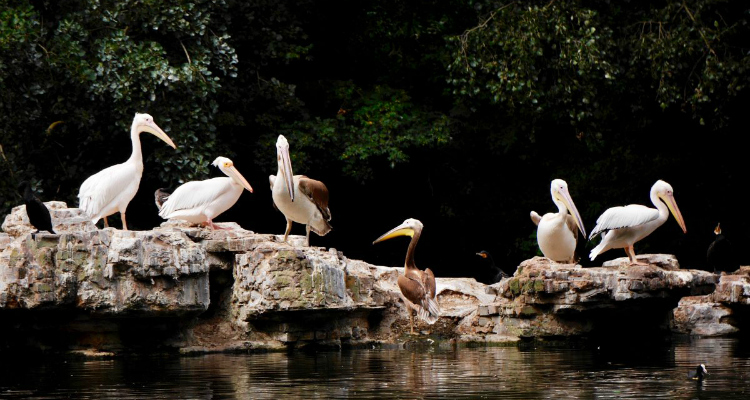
[547, 299]
[722, 312]
[198, 290]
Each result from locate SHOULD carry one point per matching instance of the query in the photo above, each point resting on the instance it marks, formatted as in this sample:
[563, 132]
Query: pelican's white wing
[622, 217]
[101, 189]
[535, 218]
[195, 195]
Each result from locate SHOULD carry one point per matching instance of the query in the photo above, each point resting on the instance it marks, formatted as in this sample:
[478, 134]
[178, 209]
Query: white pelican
[557, 234]
[111, 189]
[629, 224]
[418, 287]
[299, 198]
[199, 202]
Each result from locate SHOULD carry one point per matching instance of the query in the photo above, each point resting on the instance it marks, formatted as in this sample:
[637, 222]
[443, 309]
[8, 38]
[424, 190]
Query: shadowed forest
[457, 113]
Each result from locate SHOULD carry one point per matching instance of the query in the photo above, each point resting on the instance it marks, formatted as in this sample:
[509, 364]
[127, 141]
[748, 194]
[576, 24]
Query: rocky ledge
[196, 290]
[548, 299]
[725, 311]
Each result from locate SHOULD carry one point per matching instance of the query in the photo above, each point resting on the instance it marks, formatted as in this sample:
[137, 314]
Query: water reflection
[532, 373]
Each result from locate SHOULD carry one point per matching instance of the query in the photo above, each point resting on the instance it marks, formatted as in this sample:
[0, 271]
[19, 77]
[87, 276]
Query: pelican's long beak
[154, 129]
[401, 230]
[286, 169]
[237, 176]
[672, 204]
[573, 210]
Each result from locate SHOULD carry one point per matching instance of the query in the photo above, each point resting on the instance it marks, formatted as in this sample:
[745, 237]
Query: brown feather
[317, 192]
[570, 221]
[411, 288]
[429, 282]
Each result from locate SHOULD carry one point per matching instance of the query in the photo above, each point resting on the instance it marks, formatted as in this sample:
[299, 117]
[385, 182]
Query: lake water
[525, 372]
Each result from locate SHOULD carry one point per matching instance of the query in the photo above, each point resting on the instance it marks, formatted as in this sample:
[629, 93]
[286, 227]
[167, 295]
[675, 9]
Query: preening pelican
[299, 198]
[557, 234]
[629, 224]
[111, 189]
[418, 287]
[37, 212]
[199, 202]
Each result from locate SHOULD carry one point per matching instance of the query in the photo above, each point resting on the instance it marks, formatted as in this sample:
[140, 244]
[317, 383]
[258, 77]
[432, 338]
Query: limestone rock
[665, 261]
[107, 271]
[202, 290]
[64, 219]
[719, 313]
[698, 315]
[545, 298]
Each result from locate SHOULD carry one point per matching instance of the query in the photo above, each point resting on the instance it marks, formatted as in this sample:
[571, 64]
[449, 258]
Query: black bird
[160, 196]
[36, 210]
[720, 255]
[699, 373]
[494, 273]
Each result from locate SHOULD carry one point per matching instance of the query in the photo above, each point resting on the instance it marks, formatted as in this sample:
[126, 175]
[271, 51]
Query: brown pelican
[557, 233]
[37, 212]
[111, 189]
[199, 202]
[417, 287]
[299, 198]
[629, 224]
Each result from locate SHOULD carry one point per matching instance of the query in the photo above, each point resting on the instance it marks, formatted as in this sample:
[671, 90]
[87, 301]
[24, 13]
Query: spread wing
[622, 217]
[195, 195]
[317, 192]
[535, 218]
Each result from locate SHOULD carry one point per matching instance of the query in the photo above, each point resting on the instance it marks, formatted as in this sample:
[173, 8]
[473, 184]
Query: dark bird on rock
[160, 196]
[36, 210]
[493, 272]
[699, 373]
[720, 255]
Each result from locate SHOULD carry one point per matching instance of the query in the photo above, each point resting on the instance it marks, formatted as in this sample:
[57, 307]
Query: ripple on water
[506, 372]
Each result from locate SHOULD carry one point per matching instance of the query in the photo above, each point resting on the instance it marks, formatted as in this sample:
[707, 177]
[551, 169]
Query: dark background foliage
[458, 113]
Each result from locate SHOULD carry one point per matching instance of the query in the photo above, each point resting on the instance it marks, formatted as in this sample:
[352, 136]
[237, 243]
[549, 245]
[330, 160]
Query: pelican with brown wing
[299, 198]
[417, 286]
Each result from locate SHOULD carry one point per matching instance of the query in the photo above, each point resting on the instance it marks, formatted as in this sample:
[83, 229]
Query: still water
[525, 372]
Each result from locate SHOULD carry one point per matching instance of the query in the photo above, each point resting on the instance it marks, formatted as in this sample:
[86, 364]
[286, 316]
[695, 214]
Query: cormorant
[36, 210]
[699, 373]
[495, 274]
[720, 255]
[160, 196]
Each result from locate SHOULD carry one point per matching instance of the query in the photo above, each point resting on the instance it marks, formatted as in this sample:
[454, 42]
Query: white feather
[110, 190]
[197, 201]
[623, 217]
